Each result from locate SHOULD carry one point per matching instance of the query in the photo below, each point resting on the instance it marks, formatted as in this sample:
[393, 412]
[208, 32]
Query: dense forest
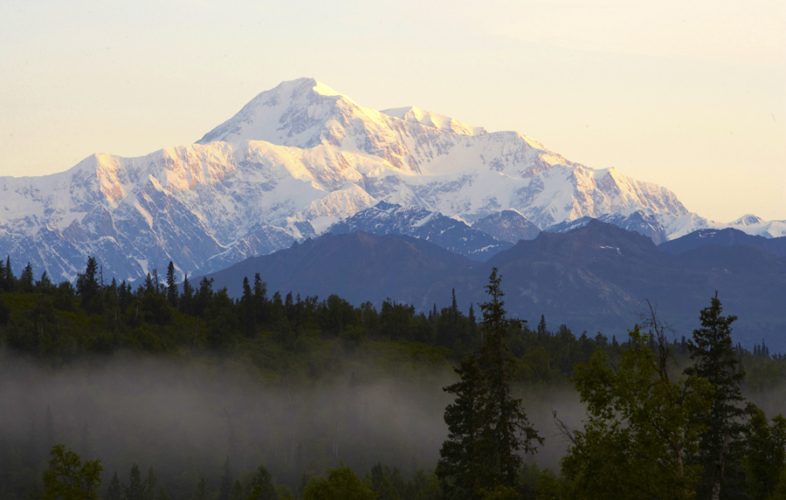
[173, 390]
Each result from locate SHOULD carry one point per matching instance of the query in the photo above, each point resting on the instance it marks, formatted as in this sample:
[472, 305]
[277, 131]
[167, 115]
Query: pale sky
[687, 94]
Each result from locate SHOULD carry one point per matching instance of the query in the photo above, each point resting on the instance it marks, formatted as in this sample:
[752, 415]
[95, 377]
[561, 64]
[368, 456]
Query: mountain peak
[748, 220]
[287, 115]
[441, 122]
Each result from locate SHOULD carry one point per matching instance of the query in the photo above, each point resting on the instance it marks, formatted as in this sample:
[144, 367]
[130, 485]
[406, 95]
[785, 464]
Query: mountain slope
[724, 237]
[508, 225]
[638, 221]
[358, 267]
[593, 278]
[293, 161]
[450, 234]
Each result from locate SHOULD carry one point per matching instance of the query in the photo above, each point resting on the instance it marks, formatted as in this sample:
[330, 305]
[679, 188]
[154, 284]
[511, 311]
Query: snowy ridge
[450, 234]
[290, 163]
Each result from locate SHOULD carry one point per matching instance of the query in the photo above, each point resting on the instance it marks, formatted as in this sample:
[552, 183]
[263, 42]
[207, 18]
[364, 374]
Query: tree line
[665, 418]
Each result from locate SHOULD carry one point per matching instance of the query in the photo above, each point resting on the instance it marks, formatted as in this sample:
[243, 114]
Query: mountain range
[300, 158]
[594, 278]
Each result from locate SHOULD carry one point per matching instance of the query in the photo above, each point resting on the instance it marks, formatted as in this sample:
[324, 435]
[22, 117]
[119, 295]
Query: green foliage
[766, 454]
[639, 428]
[341, 484]
[721, 449]
[69, 479]
[291, 340]
[461, 468]
[262, 487]
[487, 427]
[500, 492]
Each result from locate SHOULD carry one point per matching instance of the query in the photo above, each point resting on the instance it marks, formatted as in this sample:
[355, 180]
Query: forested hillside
[184, 392]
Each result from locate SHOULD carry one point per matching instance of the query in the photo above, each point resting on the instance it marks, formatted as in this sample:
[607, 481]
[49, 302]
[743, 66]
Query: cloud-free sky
[687, 94]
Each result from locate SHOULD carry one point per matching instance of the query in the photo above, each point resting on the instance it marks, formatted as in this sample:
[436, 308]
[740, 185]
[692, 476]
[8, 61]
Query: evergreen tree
[149, 285]
[542, 331]
[115, 490]
[260, 299]
[135, 489]
[26, 279]
[87, 287]
[9, 281]
[262, 485]
[150, 485]
[156, 282]
[715, 359]
[488, 428]
[171, 285]
[187, 297]
[248, 317]
[236, 493]
[461, 469]
[507, 430]
[453, 310]
[44, 284]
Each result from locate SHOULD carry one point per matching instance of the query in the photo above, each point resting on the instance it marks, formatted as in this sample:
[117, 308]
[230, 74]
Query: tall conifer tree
[488, 427]
[171, 285]
[715, 359]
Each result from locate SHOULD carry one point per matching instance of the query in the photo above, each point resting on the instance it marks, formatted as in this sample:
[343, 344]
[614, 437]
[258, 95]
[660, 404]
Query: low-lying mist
[184, 417]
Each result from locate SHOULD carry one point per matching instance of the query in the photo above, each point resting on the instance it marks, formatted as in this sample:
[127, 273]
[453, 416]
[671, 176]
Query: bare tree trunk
[716, 488]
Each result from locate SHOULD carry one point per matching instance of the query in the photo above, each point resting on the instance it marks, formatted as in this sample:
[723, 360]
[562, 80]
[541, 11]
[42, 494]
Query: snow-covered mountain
[293, 161]
[450, 234]
[638, 221]
[507, 225]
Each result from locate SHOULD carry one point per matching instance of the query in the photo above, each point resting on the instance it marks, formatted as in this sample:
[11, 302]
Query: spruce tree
[507, 430]
[135, 489]
[150, 484]
[715, 359]
[262, 485]
[236, 493]
[187, 297]
[171, 285]
[115, 490]
[9, 278]
[247, 315]
[87, 287]
[542, 330]
[488, 428]
[260, 299]
[460, 468]
[26, 279]
[44, 284]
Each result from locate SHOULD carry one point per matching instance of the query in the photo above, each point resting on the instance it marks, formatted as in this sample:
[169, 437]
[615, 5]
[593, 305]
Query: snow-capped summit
[747, 220]
[440, 122]
[293, 161]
